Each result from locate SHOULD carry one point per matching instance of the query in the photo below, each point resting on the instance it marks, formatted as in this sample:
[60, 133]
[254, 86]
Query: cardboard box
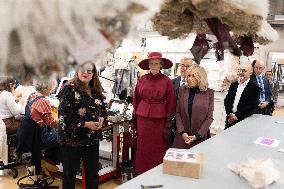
[182, 162]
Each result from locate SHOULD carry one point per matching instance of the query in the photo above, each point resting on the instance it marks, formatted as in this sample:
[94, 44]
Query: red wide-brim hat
[144, 64]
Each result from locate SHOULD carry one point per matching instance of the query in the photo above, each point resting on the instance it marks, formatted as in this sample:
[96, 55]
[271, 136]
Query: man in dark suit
[179, 81]
[264, 99]
[242, 97]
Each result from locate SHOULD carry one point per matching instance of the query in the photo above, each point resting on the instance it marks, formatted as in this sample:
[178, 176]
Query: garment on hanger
[107, 82]
[126, 79]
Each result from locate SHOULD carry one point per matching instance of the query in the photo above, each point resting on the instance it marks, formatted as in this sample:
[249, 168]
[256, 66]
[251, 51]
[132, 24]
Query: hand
[232, 118]
[262, 105]
[101, 121]
[186, 138]
[192, 138]
[93, 126]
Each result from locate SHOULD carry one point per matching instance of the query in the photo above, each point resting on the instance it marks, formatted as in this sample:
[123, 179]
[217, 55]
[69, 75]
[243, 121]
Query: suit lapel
[245, 92]
[178, 82]
[195, 100]
[185, 100]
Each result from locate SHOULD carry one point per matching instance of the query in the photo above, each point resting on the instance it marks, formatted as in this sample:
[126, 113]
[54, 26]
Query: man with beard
[242, 97]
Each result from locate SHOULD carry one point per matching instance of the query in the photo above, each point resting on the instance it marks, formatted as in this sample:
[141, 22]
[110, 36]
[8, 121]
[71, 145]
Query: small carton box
[182, 162]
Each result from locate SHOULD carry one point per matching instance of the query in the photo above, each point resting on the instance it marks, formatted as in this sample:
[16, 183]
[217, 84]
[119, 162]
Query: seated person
[9, 111]
[38, 114]
[22, 92]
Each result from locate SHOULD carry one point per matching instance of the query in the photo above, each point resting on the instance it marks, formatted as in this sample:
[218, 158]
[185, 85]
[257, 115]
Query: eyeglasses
[88, 71]
[259, 68]
[87, 68]
[182, 65]
[242, 70]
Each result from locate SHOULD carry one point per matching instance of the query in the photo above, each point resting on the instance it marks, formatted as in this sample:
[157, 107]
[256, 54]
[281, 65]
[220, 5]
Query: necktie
[183, 82]
[261, 85]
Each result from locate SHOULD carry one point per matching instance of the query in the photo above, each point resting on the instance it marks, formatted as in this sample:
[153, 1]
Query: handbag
[169, 131]
[12, 125]
[49, 136]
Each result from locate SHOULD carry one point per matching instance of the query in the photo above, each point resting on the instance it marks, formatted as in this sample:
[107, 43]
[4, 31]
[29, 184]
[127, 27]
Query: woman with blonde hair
[82, 112]
[194, 111]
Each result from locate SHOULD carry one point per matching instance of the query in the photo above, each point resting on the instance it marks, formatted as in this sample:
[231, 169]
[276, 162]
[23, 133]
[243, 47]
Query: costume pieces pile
[246, 19]
[38, 37]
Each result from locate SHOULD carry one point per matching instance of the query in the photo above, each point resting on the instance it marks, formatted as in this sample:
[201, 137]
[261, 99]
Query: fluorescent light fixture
[278, 17]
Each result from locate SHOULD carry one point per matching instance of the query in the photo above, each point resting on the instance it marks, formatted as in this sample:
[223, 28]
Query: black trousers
[71, 162]
[263, 111]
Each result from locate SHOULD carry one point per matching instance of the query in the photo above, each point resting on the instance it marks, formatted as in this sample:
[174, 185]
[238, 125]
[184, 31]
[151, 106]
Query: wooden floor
[7, 182]
[279, 112]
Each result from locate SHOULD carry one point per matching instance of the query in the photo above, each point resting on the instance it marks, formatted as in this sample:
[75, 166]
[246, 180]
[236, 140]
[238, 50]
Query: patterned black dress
[75, 108]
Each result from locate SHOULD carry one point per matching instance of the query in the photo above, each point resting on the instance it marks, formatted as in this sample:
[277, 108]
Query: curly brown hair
[94, 84]
[6, 83]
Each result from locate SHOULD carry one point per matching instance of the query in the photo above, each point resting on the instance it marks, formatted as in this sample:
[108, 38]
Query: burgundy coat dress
[201, 116]
[154, 101]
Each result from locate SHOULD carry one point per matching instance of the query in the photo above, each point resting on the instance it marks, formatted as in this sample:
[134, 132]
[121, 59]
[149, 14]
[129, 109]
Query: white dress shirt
[239, 92]
[182, 81]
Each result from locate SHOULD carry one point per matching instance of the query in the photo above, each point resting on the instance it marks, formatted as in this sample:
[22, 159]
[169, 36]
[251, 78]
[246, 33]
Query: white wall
[277, 46]
[157, 43]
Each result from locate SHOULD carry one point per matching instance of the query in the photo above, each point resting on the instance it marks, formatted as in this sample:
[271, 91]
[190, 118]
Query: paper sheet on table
[269, 142]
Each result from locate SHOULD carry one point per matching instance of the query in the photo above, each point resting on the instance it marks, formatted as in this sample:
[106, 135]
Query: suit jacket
[266, 84]
[176, 83]
[201, 116]
[247, 103]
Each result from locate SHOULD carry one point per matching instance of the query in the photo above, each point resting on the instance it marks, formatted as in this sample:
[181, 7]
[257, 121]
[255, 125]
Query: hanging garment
[225, 40]
[107, 81]
[247, 45]
[199, 48]
[126, 79]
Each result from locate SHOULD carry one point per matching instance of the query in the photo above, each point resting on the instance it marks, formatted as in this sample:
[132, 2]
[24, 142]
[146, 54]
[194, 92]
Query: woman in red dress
[154, 104]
